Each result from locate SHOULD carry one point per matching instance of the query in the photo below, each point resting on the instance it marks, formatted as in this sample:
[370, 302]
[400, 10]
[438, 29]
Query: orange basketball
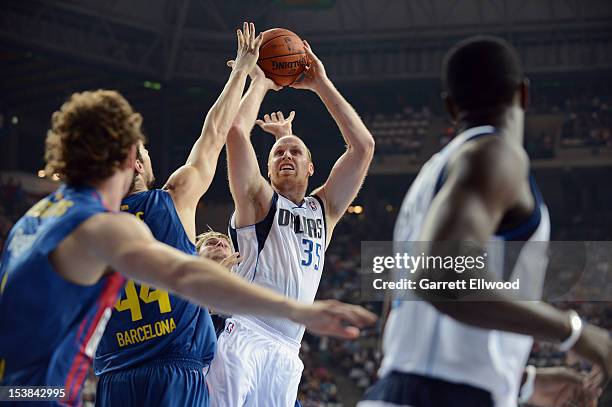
[281, 56]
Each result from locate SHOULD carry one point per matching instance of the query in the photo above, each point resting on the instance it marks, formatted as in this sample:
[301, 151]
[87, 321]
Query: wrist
[284, 133]
[321, 85]
[575, 326]
[240, 70]
[293, 309]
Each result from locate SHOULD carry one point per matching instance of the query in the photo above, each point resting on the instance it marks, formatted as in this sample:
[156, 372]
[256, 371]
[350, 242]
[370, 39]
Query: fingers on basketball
[310, 56]
[298, 83]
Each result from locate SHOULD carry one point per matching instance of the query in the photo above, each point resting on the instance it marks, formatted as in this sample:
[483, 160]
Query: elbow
[366, 147]
[370, 146]
[236, 130]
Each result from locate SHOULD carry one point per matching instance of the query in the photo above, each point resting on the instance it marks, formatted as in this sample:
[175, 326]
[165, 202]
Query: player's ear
[310, 169]
[450, 106]
[524, 92]
[139, 167]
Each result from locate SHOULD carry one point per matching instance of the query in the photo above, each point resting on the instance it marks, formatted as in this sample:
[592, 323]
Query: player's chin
[286, 173]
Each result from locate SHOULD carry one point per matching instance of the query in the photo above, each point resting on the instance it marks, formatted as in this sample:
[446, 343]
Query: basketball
[282, 56]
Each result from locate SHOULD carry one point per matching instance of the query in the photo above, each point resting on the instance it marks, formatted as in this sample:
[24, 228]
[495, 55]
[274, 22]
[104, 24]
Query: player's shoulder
[492, 156]
[147, 194]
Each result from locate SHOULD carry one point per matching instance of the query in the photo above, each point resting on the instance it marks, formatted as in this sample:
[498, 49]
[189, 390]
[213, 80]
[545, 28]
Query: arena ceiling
[48, 48]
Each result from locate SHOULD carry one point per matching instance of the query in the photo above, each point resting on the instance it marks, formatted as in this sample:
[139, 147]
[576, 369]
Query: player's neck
[294, 193]
[139, 186]
[508, 120]
[111, 191]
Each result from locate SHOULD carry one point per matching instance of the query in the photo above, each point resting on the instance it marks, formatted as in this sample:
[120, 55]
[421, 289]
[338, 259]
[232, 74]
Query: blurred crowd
[585, 122]
[400, 133]
[588, 123]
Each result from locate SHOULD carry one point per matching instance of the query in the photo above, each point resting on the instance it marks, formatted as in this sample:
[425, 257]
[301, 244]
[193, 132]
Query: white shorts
[253, 367]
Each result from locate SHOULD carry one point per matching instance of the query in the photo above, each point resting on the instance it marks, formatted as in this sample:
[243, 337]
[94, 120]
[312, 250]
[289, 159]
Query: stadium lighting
[152, 85]
[41, 174]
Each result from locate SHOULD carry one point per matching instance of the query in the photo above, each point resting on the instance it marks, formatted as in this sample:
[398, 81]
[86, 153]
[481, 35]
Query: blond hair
[203, 237]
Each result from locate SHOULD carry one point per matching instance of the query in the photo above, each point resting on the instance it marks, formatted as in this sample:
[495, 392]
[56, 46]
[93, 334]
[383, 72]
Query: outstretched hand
[334, 318]
[276, 124]
[248, 48]
[248, 54]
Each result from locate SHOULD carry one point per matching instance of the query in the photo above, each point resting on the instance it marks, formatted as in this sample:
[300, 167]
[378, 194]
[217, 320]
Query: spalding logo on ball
[282, 56]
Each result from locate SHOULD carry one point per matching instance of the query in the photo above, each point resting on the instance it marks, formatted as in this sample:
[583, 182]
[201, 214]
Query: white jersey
[285, 252]
[421, 340]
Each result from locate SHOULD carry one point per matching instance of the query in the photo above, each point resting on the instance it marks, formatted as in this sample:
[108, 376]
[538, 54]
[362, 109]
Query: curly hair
[203, 237]
[90, 136]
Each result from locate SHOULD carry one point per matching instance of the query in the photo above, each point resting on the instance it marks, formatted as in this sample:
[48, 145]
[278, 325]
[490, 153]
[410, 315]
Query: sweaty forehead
[288, 141]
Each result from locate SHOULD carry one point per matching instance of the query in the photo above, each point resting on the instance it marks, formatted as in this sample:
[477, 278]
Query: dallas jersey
[148, 323]
[50, 327]
[285, 252]
[419, 339]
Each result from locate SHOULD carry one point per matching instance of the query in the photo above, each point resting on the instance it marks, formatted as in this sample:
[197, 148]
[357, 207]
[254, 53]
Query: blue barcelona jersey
[49, 327]
[150, 324]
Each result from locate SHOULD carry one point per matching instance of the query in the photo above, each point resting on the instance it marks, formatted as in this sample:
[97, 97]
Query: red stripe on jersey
[81, 363]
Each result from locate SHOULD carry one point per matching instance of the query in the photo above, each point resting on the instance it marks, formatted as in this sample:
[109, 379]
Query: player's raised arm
[485, 181]
[251, 192]
[190, 182]
[126, 245]
[348, 173]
